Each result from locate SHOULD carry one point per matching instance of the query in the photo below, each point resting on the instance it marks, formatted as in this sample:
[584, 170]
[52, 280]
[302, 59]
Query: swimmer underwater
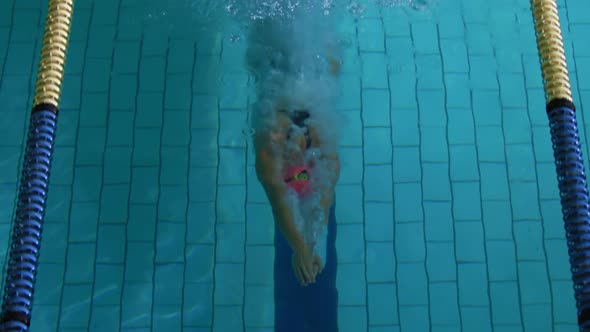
[297, 161]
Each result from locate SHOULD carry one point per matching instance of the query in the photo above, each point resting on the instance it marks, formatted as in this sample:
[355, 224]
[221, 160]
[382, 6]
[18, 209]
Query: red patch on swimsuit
[298, 179]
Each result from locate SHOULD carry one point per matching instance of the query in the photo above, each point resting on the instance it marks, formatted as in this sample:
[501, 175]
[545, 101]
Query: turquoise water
[447, 208]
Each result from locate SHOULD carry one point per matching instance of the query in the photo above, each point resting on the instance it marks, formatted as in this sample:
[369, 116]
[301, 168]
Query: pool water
[447, 207]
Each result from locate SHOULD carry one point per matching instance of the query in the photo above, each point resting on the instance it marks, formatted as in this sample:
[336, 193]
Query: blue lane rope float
[19, 285]
[567, 151]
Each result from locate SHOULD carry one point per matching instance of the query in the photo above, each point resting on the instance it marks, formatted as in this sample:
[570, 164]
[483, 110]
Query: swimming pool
[447, 208]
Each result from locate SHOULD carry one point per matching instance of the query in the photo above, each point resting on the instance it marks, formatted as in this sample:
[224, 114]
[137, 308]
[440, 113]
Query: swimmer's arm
[276, 192]
[328, 192]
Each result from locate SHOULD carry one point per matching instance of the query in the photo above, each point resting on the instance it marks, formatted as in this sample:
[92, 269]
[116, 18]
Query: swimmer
[295, 63]
[283, 166]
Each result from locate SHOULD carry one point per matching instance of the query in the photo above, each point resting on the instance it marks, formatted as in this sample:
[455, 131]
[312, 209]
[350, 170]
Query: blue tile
[137, 311]
[505, 303]
[237, 92]
[146, 147]
[551, 211]
[49, 284]
[168, 283]
[351, 169]
[517, 128]
[564, 305]
[117, 165]
[534, 282]
[429, 72]
[444, 308]
[350, 93]
[229, 284]
[494, 184]
[408, 202]
[557, 259]
[58, 203]
[543, 150]
[170, 242]
[144, 188]
[374, 70]
[257, 311]
[377, 146]
[91, 145]
[402, 89]
[14, 97]
[378, 183]
[111, 244]
[232, 165]
[353, 128]
[434, 147]
[172, 204]
[54, 251]
[259, 265]
[204, 148]
[258, 230]
[371, 35]
[231, 203]
[497, 220]
[105, 318]
[451, 24]
[122, 93]
[197, 305]
[380, 294]
[108, 284]
[201, 220]
[80, 263]
[415, 284]
[232, 125]
[473, 289]
[231, 249]
[350, 242]
[381, 264]
[536, 317]
[406, 164]
[469, 242]
[227, 318]
[483, 67]
[396, 22]
[501, 257]
[181, 55]
[464, 165]
[167, 318]
[46, 317]
[512, 92]
[438, 221]
[414, 318]
[490, 144]
[528, 236]
[432, 113]
[87, 183]
[83, 231]
[425, 37]
[466, 201]
[199, 178]
[436, 183]
[351, 284]
[126, 57]
[96, 75]
[176, 131]
[454, 55]
[409, 242]
[461, 128]
[375, 108]
[93, 112]
[440, 261]
[508, 59]
[208, 69]
[71, 94]
[141, 225]
[476, 318]
[405, 132]
[486, 109]
[139, 262]
[525, 201]
[19, 58]
[152, 73]
[75, 311]
[114, 203]
[120, 132]
[352, 318]
[378, 221]
[149, 109]
[178, 93]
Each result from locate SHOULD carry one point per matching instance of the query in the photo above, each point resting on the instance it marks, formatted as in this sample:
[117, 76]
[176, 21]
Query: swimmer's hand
[306, 266]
